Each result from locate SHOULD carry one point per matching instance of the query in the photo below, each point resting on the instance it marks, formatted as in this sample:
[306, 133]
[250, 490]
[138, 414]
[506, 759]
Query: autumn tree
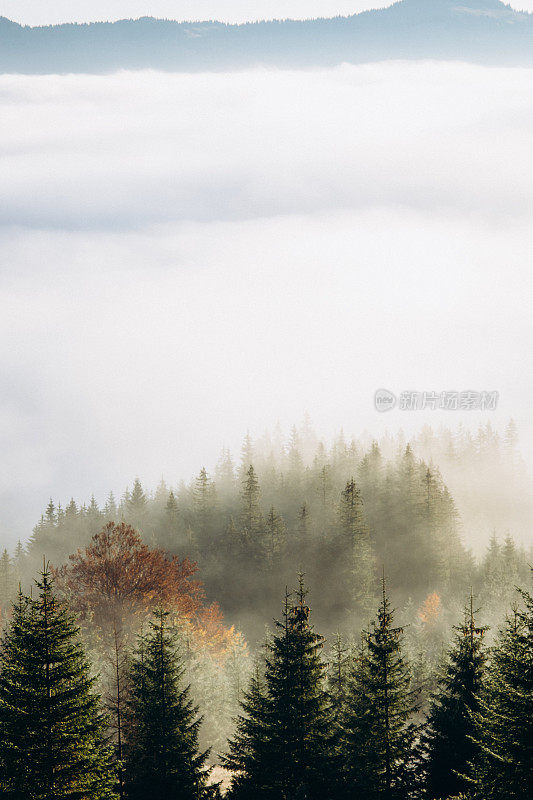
[113, 583]
[118, 576]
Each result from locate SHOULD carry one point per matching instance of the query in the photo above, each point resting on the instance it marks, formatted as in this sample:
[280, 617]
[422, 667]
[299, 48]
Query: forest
[311, 621]
[477, 31]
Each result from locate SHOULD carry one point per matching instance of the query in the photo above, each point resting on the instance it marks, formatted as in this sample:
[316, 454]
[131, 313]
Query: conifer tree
[163, 761]
[252, 522]
[283, 744]
[247, 456]
[447, 742]
[246, 757]
[356, 548]
[338, 673]
[504, 722]
[275, 535]
[379, 734]
[204, 500]
[7, 582]
[52, 733]
[110, 508]
[136, 505]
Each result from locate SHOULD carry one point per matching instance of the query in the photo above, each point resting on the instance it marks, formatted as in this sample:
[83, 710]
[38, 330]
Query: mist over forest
[225, 569]
[441, 516]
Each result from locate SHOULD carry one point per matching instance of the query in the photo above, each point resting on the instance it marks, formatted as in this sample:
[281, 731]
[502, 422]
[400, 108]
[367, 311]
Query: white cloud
[184, 257]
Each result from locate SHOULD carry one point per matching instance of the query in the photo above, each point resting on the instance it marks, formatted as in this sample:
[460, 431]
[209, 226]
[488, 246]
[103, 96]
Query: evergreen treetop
[52, 732]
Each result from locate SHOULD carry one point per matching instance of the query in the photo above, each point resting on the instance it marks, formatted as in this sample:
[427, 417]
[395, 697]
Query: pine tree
[356, 548]
[52, 733]
[247, 456]
[283, 744]
[204, 502]
[252, 523]
[504, 722]
[447, 742]
[137, 505]
[246, 757]
[275, 535]
[338, 673]
[110, 508]
[7, 582]
[379, 734]
[162, 757]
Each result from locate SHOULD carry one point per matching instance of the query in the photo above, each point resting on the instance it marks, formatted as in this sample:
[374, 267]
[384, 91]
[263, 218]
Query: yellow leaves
[429, 611]
[206, 634]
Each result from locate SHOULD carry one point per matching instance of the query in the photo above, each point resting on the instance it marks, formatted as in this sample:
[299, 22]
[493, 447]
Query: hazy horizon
[233, 11]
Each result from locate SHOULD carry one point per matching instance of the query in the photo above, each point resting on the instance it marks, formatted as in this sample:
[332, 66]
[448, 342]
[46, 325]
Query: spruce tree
[504, 722]
[338, 672]
[447, 743]
[379, 734]
[7, 582]
[52, 732]
[356, 549]
[204, 506]
[283, 744]
[163, 761]
[275, 536]
[246, 757]
[252, 522]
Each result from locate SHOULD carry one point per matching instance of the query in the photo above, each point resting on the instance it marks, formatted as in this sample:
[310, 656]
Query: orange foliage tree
[429, 612]
[118, 578]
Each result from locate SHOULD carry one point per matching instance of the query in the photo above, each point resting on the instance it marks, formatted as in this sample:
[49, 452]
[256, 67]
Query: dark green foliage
[283, 744]
[297, 505]
[504, 722]
[448, 742]
[246, 755]
[161, 726]
[354, 551]
[52, 734]
[378, 733]
[338, 673]
[8, 581]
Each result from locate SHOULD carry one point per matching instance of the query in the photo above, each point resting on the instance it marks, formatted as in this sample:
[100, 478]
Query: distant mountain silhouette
[483, 31]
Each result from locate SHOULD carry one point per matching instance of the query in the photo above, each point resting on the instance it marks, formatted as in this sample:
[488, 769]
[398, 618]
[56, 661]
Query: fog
[186, 257]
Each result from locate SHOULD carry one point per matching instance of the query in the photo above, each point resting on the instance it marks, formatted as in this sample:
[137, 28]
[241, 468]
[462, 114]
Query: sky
[188, 257]
[31, 12]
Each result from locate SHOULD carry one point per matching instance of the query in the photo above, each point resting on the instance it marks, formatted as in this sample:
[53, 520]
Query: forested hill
[482, 31]
[341, 514]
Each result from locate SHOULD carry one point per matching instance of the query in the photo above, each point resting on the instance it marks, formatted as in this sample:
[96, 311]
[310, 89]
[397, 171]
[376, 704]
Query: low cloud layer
[124, 151]
[186, 257]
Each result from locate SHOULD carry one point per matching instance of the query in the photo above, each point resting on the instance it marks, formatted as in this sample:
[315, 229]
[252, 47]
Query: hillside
[480, 31]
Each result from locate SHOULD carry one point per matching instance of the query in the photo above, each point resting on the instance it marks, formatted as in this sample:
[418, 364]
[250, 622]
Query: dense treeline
[339, 514]
[485, 31]
[342, 515]
[345, 724]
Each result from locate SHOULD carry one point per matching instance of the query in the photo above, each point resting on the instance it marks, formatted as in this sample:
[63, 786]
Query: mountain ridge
[481, 31]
